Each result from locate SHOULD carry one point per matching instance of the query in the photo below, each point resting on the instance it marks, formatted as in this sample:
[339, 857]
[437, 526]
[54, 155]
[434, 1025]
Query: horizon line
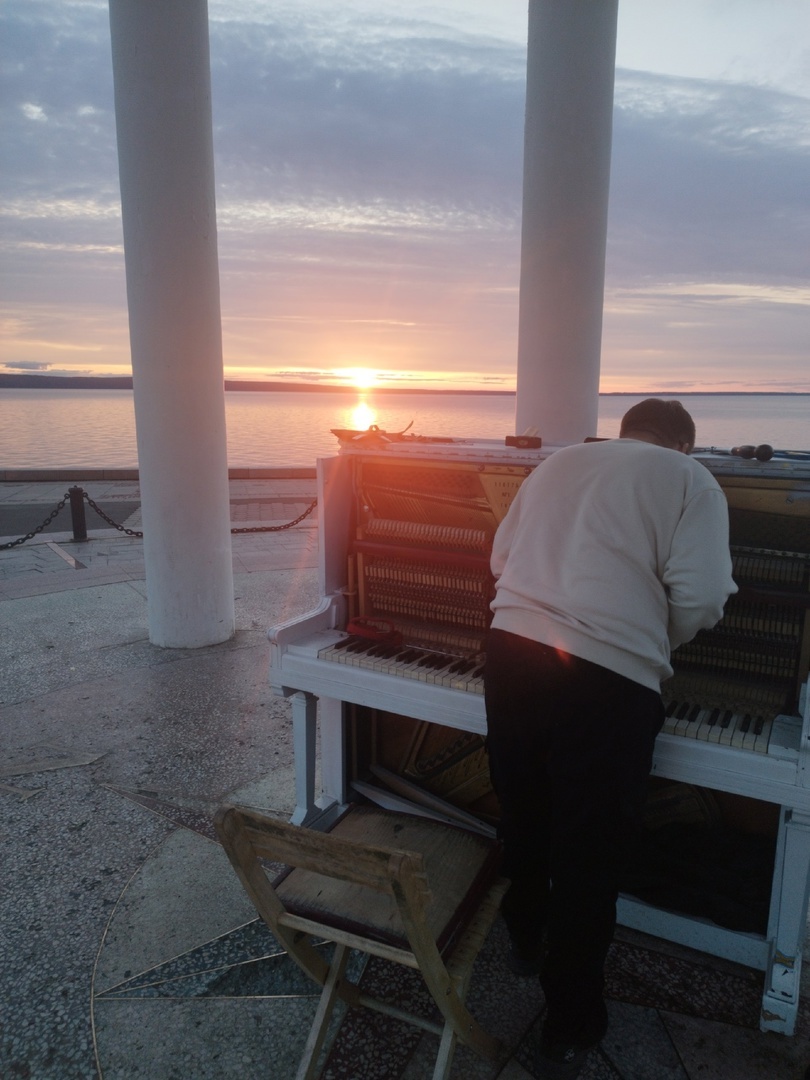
[30, 380]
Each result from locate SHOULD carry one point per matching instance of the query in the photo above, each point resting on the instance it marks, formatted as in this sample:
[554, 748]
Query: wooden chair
[364, 885]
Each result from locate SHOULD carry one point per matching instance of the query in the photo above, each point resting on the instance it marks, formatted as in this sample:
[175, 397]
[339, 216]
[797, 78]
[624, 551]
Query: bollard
[77, 513]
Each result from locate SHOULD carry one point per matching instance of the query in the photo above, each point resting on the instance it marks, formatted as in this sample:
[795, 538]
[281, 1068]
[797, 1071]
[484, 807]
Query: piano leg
[789, 903]
[304, 715]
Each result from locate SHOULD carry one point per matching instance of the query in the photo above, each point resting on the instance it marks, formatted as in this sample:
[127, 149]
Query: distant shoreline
[124, 382]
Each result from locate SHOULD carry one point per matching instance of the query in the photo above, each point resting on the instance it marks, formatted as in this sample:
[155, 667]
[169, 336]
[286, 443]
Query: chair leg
[475, 1036]
[317, 1033]
[444, 1059]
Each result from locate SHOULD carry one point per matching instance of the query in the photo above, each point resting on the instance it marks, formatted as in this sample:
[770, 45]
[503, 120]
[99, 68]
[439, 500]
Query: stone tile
[160, 914]
[638, 1045]
[67, 854]
[503, 1004]
[247, 563]
[684, 983]
[55, 583]
[206, 1039]
[596, 1067]
[513, 1071]
[727, 1052]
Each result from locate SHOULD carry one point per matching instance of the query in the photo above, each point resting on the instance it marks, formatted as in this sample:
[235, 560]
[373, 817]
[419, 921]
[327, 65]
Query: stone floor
[128, 947]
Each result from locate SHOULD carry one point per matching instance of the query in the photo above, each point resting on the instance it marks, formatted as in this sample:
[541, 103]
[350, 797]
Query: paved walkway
[128, 949]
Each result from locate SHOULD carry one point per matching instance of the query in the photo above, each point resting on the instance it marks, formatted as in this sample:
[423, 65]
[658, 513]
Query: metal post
[77, 515]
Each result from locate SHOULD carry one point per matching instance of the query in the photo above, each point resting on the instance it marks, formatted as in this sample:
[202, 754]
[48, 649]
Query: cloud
[25, 365]
[366, 117]
[369, 195]
[708, 178]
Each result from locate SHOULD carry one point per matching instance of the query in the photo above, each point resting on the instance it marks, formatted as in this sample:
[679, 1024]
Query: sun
[362, 378]
[363, 416]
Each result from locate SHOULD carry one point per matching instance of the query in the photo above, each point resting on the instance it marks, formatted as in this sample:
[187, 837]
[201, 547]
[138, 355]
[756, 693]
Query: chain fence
[80, 532]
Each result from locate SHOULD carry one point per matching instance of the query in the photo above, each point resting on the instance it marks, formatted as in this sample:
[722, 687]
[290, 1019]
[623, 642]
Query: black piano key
[344, 644]
[713, 718]
[405, 656]
[746, 723]
[356, 644]
[435, 661]
[381, 649]
[759, 724]
[726, 718]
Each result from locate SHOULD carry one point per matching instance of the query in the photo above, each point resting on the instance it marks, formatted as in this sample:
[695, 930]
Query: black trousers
[570, 746]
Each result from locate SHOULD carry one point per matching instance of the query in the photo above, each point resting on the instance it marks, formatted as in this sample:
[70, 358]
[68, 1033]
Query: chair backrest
[320, 853]
[356, 885]
[347, 887]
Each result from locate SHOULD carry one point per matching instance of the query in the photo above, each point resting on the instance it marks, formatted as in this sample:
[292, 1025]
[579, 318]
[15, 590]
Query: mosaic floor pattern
[216, 995]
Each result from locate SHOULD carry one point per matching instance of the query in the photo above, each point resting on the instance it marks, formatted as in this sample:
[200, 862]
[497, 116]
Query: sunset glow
[369, 232]
[362, 378]
[363, 416]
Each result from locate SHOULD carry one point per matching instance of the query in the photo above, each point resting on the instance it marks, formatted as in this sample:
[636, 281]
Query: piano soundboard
[393, 655]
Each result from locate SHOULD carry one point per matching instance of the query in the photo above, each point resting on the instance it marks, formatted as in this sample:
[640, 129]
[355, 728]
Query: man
[612, 554]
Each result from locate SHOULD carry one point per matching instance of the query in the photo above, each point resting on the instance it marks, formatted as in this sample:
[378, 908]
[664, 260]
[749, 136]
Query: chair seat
[459, 865]
[418, 892]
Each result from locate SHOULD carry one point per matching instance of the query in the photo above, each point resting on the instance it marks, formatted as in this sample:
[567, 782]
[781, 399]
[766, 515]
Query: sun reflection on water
[363, 416]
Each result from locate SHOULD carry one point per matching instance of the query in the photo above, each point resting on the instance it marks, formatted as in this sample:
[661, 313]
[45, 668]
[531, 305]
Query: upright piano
[386, 671]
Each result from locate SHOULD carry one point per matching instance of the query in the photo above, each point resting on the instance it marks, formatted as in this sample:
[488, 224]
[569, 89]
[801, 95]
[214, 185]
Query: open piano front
[389, 663]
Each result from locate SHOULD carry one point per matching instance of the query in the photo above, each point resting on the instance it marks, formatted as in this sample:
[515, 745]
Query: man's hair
[666, 420]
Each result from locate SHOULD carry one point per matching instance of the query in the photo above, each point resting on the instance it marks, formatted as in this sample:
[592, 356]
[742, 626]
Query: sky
[368, 163]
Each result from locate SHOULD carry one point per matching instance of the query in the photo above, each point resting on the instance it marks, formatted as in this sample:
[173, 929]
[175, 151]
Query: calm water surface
[62, 428]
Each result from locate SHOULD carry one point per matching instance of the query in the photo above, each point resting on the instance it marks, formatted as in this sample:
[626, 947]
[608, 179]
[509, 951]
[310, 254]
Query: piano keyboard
[745, 731]
[408, 662]
[725, 727]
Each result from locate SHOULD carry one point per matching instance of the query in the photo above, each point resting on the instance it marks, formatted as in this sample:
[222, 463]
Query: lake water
[63, 428]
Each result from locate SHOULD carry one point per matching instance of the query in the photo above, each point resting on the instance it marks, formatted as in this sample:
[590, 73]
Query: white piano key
[396, 661]
[750, 736]
[670, 719]
[333, 653]
[694, 720]
[442, 676]
[763, 736]
[378, 656]
[727, 728]
[741, 723]
[472, 682]
[684, 713]
[710, 727]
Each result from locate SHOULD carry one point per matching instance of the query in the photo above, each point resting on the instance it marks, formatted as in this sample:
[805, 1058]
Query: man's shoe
[559, 1061]
[524, 959]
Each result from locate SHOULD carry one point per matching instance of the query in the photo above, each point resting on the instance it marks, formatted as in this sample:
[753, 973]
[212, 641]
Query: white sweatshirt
[616, 552]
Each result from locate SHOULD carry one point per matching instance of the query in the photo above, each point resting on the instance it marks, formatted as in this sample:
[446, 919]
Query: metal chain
[135, 532]
[278, 528]
[39, 528]
[109, 520]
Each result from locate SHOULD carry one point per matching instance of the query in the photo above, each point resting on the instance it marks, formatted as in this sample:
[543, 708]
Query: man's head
[666, 423]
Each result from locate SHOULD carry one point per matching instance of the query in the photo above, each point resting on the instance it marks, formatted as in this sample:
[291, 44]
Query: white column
[569, 111]
[165, 151]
